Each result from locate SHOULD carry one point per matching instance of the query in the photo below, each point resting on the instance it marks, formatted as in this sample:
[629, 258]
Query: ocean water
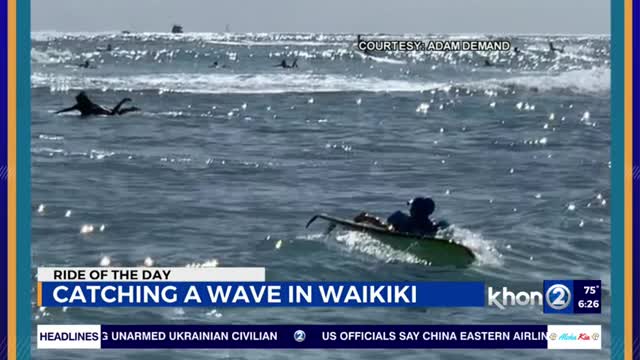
[224, 166]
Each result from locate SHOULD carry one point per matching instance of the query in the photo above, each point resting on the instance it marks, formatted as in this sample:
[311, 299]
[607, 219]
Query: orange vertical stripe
[11, 179]
[628, 180]
[39, 294]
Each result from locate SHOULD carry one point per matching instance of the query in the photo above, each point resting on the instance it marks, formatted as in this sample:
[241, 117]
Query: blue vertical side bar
[4, 187]
[23, 180]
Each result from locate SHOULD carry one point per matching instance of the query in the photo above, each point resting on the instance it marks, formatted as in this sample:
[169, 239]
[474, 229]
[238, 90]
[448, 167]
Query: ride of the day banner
[247, 287]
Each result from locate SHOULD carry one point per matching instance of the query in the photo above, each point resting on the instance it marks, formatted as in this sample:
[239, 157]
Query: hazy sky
[348, 16]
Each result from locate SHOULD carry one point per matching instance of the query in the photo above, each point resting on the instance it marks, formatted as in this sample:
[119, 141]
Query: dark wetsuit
[552, 48]
[88, 107]
[283, 64]
[417, 222]
[404, 223]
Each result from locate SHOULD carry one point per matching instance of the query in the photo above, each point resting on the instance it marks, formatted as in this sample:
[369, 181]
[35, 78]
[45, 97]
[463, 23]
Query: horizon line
[119, 32]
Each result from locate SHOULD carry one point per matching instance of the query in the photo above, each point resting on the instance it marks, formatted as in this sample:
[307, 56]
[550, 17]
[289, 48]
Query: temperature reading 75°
[591, 290]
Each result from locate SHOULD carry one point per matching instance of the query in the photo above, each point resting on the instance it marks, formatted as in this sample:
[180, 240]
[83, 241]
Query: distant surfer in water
[553, 49]
[358, 41]
[216, 65]
[283, 64]
[487, 62]
[106, 49]
[417, 222]
[85, 65]
[88, 107]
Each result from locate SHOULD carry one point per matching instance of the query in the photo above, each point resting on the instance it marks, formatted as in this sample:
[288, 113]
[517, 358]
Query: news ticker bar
[319, 337]
[246, 287]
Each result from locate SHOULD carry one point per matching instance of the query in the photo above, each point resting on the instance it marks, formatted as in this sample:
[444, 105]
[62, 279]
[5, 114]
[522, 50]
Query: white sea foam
[589, 81]
[228, 83]
[594, 80]
[364, 243]
[51, 56]
[484, 249]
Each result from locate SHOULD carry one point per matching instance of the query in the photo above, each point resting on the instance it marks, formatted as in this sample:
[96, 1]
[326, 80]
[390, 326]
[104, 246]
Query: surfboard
[438, 252]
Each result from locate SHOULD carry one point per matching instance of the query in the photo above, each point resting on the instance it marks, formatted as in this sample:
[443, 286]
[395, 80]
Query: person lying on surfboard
[88, 107]
[283, 64]
[417, 222]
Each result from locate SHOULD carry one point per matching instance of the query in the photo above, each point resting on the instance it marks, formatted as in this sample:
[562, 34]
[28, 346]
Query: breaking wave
[580, 81]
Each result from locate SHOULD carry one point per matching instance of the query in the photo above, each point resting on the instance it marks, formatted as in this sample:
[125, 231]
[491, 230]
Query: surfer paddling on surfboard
[283, 64]
[88, 107]
[414, 233]
[417, 222]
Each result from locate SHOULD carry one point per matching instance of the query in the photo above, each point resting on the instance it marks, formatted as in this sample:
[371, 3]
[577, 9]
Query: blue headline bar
[259, 294]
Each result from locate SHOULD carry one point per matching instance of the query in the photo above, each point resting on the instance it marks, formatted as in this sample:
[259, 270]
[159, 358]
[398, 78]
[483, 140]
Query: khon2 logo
[556, 298]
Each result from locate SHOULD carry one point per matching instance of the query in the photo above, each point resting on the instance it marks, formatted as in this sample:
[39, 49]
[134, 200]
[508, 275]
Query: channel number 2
[558, 297]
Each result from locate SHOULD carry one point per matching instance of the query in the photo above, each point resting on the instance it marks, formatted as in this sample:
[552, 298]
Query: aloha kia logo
[574, 337]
